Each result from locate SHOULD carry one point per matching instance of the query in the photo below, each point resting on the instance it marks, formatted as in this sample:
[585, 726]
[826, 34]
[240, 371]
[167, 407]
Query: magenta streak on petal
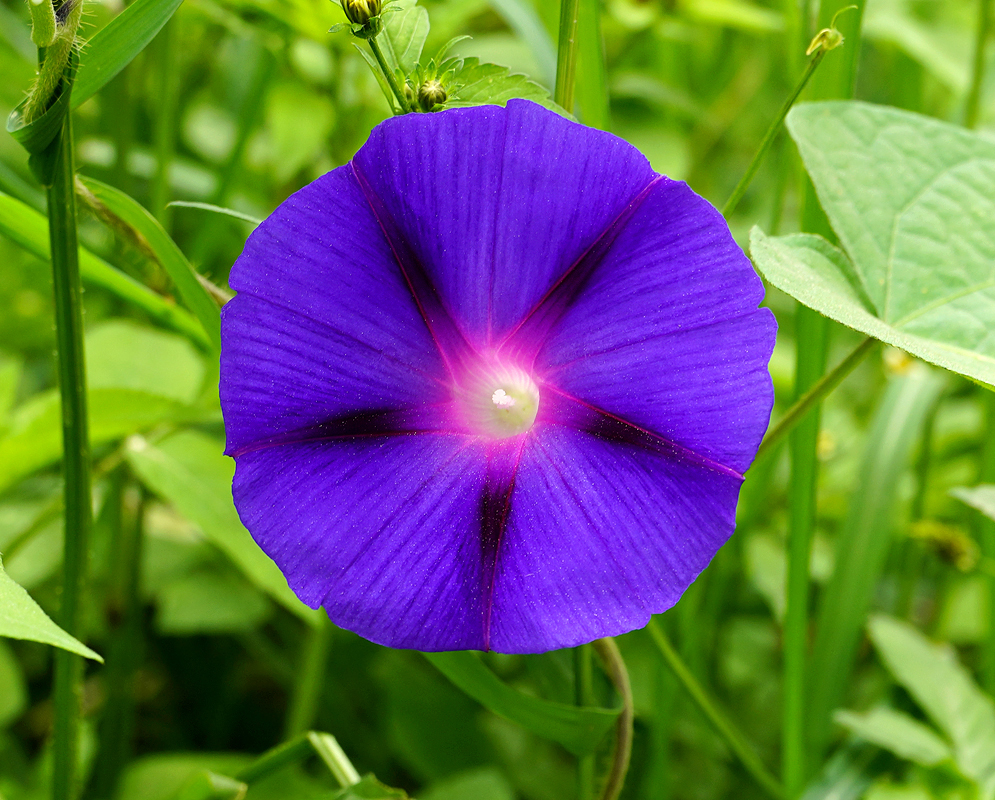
[526, 339]
[583, 416]
[452, 345]
[495, 504]
[363, 425]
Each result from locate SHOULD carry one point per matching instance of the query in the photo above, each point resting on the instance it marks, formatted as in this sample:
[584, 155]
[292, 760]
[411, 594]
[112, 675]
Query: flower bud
[430, 94]
[361, 11]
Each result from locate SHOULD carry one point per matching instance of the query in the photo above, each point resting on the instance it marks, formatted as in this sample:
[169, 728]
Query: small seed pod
[430, 94]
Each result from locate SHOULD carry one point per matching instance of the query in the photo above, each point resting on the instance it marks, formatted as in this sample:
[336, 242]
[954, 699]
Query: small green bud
[360, 12]
[430, 94]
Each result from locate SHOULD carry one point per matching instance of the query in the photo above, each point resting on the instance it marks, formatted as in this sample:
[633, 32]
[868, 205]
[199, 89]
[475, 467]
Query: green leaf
[22, 618]
[369, 789]
[946, 691]
[114, 46]
[160, 777]
[484, 783]
[911, 200]
[404, 33]
[27, 228]
[210, 602]
[863, 543]
[35, 437]
[209, 785]
[980, 497]
[847, 774]
[190, 470]
[482, 84]
[898, 733]
[816, 274]
[168, 255]
[121, 354]
[578, 729]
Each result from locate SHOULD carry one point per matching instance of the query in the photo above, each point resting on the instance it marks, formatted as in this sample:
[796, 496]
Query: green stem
[76, 459]
[973, 104]
[566, 55]
[592, 78]
[987, 475]
[124, 612]
[722, 724]
[388, 74]
[811, 331]
[323, 745]
[768, 140]
[814, 395]
[583, 683]
[614, 666]
[307, 691]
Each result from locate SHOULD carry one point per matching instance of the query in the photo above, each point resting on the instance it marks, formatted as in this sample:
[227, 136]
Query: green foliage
[22, 618]
[909, 198]
[578, 729]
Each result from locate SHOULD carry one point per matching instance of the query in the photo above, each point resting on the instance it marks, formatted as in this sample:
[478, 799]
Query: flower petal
[323, 324]
[600, 535]
[496, 203]
[385, 533]
[666, 332]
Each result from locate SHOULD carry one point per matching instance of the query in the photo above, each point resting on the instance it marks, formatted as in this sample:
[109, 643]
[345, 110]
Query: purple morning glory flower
[493, 384]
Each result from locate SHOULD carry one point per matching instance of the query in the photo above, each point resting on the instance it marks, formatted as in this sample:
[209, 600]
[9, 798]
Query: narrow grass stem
[811, 331]
[76, 459]
[165, 121]
[723, 725]
[772, 131]
[987, 475]
[583, 681]
[815, 394]
[388, 74]
[566, 55]
[310, 681]
[973, 103]
[614, 665]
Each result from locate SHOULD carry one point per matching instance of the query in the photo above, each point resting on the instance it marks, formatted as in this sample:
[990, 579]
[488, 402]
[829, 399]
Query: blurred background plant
[209, 660]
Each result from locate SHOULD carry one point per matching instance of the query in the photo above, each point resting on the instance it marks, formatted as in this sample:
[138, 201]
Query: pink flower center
[498, 400]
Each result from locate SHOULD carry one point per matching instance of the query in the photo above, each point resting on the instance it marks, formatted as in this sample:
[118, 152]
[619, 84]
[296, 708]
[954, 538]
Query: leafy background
[240, 103]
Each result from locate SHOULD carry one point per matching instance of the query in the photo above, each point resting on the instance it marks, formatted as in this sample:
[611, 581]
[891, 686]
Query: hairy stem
[566, 55]
[722, 724]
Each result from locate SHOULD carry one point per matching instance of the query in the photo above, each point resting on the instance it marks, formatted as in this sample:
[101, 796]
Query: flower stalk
[583, 680]
[403, 102]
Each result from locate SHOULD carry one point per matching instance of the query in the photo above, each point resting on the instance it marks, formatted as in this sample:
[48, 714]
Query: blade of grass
[523, 19]
[863, 543]
[113, 47]
[973, 103]
[592, 78]
[28, 229]
[166, 252]
[718, 719]
[566, 55]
